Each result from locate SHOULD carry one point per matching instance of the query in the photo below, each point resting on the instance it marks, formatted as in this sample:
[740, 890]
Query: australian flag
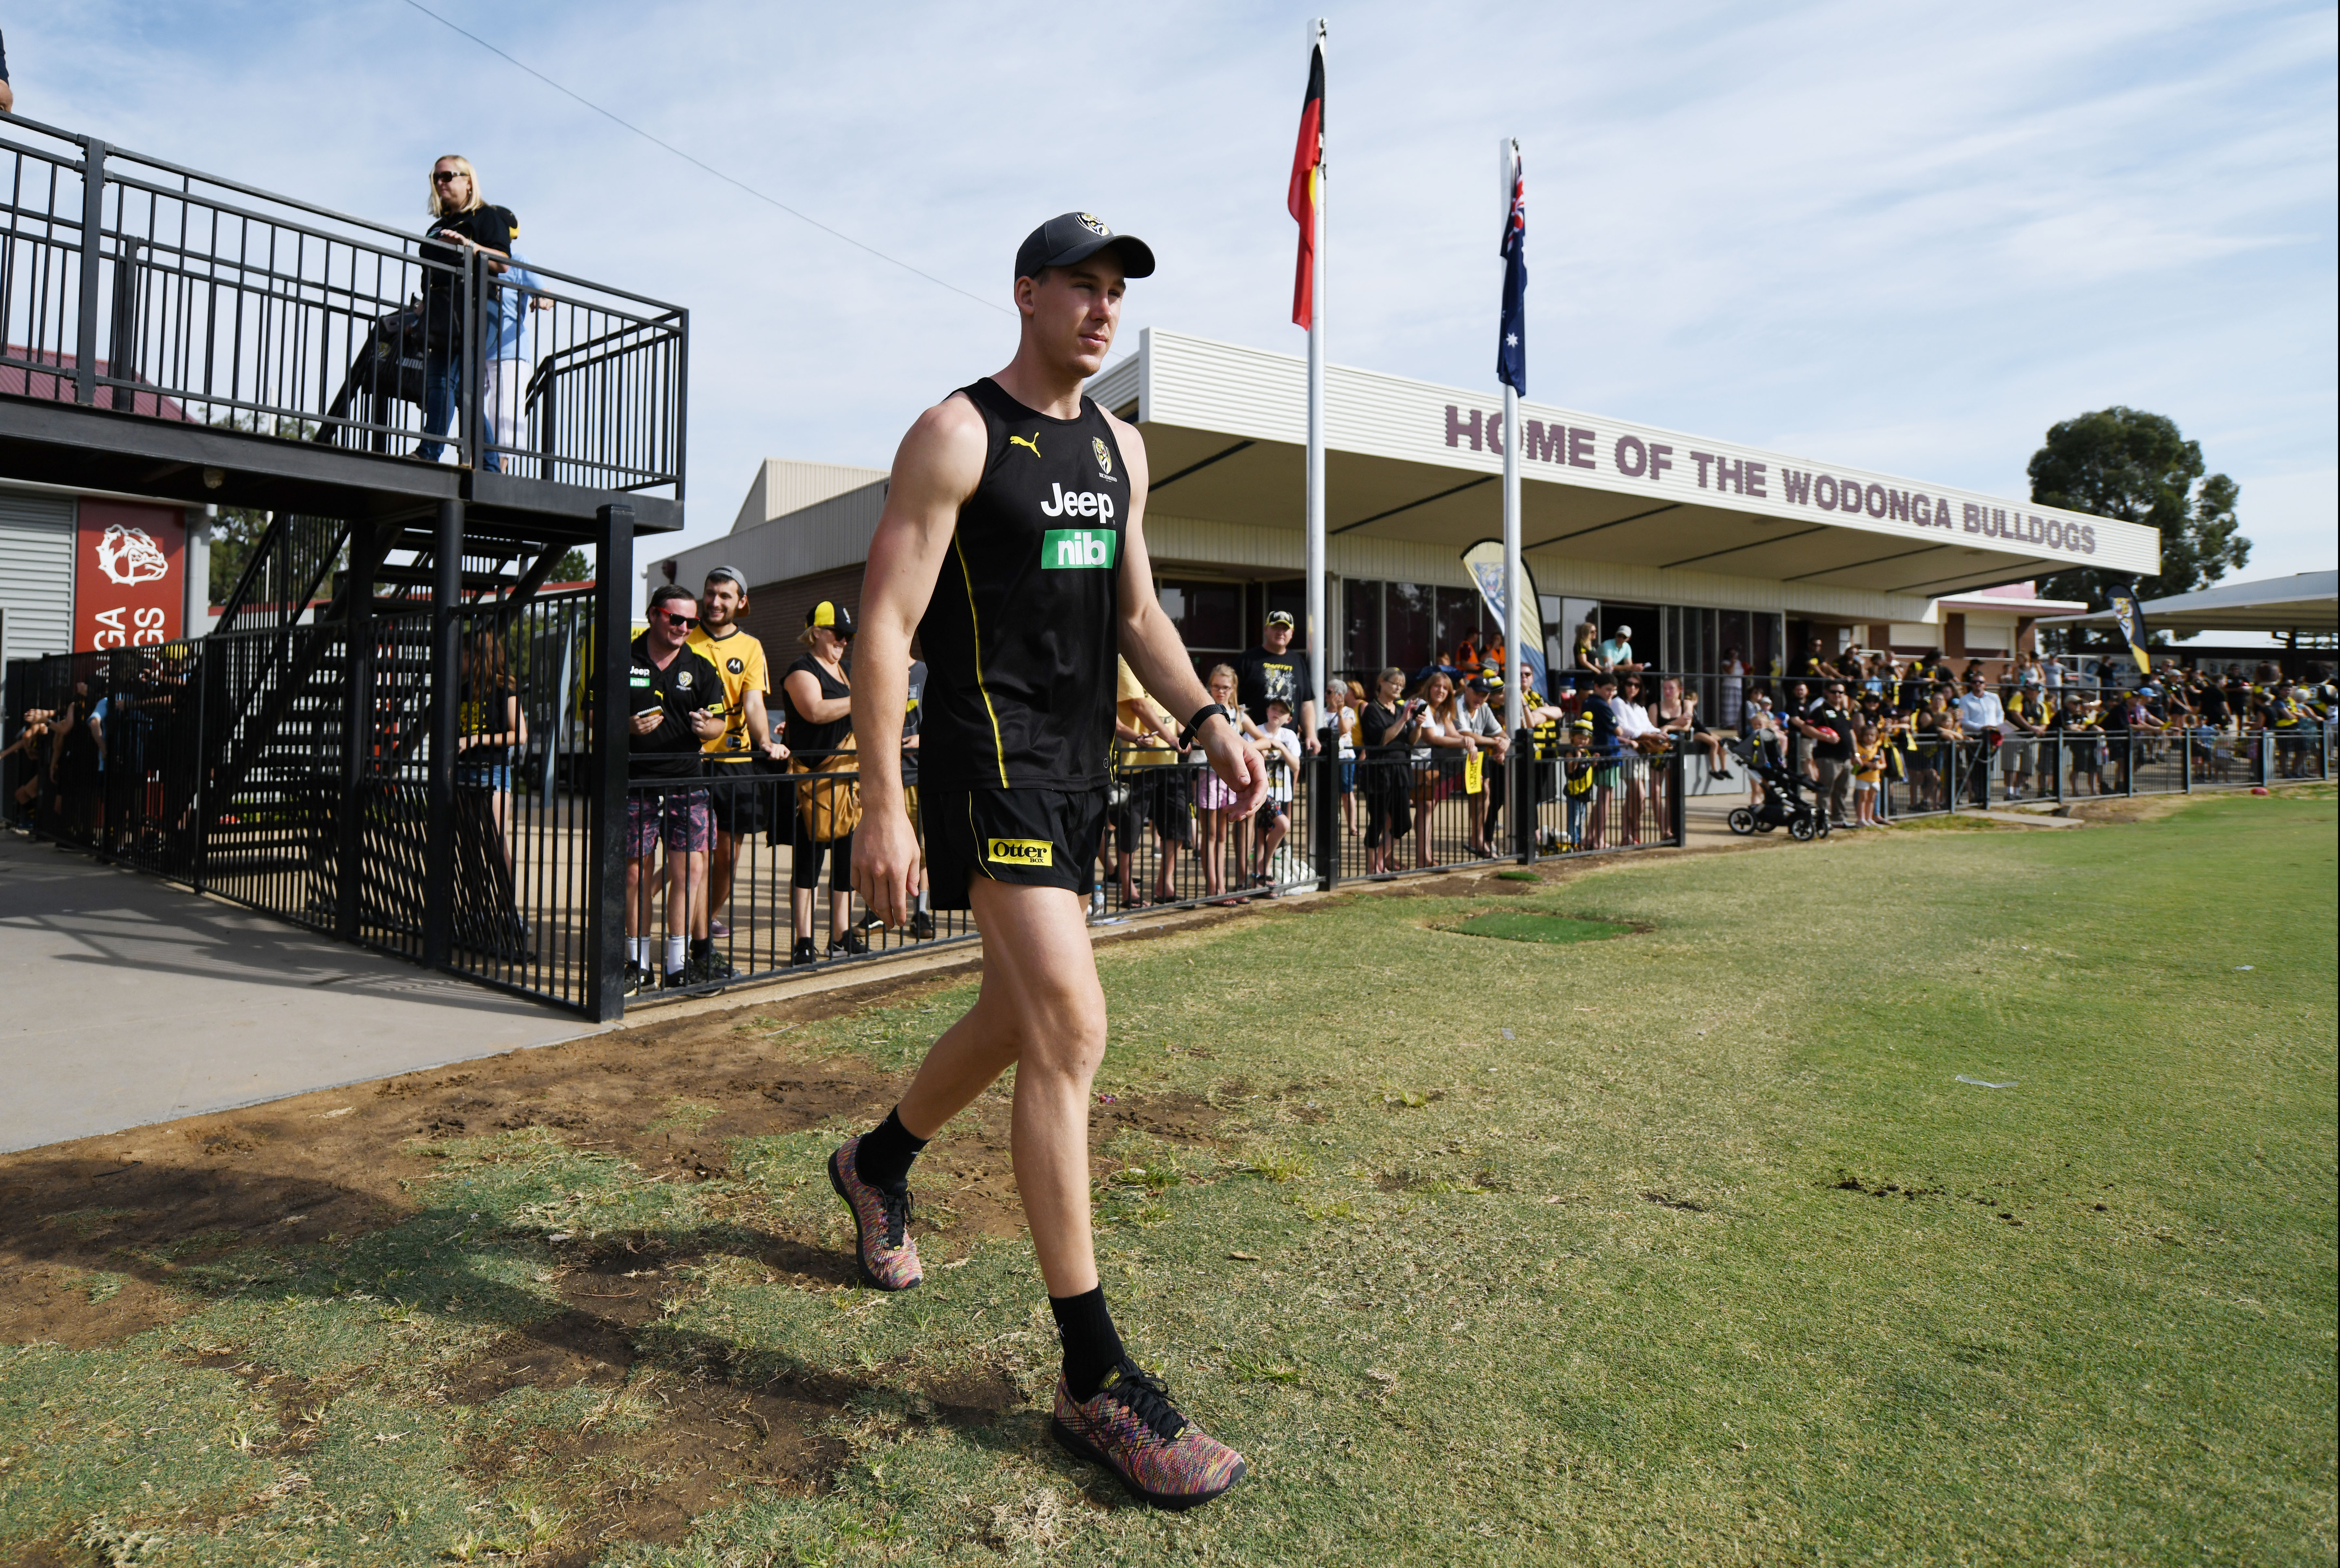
[1512, 349]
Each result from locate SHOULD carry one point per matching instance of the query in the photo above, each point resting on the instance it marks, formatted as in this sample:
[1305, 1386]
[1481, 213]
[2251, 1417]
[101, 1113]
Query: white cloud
[1905, 238]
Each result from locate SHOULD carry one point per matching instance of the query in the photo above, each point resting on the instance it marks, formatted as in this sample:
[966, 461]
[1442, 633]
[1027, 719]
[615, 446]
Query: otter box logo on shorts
[1071, 547]
[1019, 851]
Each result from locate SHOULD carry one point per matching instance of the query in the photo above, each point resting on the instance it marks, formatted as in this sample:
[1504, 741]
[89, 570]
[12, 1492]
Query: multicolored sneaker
[881, 1224]
[1131, 1428]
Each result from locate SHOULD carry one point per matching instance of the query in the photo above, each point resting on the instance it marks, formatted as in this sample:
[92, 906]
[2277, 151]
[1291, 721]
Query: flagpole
[1515, 660]
[1318, 663]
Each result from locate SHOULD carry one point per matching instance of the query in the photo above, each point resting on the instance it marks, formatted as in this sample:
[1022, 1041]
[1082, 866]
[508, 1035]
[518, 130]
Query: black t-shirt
[1379, 719]
[492, 226]
[806, 740]
[2214, 705]
[1261, 675]
[485, 709]
[912, 711]
[1021, 633]
[688, 683]
[1839, 720]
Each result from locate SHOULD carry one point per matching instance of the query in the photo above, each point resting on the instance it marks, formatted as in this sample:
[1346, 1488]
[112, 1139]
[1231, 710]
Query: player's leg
[1042, 1009]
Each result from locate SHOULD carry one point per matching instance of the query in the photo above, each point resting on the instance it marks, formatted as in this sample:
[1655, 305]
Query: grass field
[1708, 1242]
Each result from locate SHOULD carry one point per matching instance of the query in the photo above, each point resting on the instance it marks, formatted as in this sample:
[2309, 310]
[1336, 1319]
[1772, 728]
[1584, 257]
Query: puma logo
[1034, 442]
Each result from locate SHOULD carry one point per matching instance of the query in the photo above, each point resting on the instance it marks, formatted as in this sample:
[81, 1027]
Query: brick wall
[775, 610]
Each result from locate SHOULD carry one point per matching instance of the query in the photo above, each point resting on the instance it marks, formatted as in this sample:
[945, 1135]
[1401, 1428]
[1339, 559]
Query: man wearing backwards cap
[1012, 544]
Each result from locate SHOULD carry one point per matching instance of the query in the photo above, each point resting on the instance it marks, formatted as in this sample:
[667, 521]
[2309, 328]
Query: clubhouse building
[1699, 546]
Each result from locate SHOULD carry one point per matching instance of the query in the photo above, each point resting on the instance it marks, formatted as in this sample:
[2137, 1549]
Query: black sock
[1092, 1348]
[701, 946]
[884, 1156]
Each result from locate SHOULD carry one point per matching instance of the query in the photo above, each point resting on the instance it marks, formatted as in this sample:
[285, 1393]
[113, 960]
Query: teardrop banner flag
[1522, 635]
[2130, 615]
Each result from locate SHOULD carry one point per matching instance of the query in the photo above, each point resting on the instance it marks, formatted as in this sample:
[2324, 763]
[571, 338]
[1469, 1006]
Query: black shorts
[1157, 797]
[1034, 837]
[742, 796]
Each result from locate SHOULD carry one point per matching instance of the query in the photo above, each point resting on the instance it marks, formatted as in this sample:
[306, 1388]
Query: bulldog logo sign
[129, 586]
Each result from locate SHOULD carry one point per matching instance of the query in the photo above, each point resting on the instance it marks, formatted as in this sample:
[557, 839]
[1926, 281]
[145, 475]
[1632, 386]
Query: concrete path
[126, 1001]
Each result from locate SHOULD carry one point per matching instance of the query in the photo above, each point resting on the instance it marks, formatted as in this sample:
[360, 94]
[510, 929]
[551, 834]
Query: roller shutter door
[37, 562]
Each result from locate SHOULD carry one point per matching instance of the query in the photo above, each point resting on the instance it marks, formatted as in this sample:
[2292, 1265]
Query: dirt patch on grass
[98, 1239]
[2125, 808]
[667, 1096]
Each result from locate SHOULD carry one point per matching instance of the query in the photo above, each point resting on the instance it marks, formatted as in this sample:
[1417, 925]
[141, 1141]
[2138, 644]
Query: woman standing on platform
[462, 226]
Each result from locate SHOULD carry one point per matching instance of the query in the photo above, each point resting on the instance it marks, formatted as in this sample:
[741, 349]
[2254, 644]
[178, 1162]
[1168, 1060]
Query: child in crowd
[1868, 774]
[1342, 701]
[1214, 801]
[1280, 746]
[1577, 770]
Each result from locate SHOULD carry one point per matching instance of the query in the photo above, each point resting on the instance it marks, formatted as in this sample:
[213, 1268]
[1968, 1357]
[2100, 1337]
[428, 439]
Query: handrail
[229, 299]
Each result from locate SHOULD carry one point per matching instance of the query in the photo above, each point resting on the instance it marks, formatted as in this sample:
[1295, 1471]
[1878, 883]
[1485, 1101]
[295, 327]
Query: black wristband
[1201, 717]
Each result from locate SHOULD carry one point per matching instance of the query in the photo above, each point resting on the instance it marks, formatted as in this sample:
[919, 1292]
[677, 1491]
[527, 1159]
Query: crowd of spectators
[1855, 726]
[722, 749]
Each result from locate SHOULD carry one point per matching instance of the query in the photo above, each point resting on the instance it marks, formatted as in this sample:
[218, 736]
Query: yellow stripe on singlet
[975, 629]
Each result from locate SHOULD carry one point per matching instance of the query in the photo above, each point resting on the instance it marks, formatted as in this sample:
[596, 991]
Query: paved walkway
[129, 1001]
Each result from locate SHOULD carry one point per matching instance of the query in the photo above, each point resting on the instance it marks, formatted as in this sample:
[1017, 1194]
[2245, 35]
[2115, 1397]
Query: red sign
[130, 566]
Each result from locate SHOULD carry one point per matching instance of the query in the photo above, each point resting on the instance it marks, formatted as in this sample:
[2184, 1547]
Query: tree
[2127, 463]
[236, 537]
[572, 568]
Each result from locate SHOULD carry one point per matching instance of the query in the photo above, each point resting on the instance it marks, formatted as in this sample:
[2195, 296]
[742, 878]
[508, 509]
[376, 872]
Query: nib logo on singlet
[1077, 547]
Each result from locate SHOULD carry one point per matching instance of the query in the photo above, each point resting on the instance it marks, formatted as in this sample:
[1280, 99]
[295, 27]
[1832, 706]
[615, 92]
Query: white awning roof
[2305, 601]
[1225, 432]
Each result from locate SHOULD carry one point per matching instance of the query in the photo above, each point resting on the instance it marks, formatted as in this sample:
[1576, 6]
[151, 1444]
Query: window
[1208, 615]
[1405, 625]
[1458, 618]
[1361, 626]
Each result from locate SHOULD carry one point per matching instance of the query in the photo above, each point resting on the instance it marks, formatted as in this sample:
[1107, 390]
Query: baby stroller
[1784, 805]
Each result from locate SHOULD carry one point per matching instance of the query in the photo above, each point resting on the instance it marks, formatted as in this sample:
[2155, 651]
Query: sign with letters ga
[129, 574]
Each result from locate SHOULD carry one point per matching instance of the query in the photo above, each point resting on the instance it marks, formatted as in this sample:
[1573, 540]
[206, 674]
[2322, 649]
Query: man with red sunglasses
[676, 703]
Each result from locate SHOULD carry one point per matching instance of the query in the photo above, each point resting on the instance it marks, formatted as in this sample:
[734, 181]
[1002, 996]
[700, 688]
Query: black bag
[391, 364]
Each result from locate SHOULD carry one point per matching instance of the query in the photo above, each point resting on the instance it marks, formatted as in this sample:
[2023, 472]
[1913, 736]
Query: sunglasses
[671, 619]
[446, 176]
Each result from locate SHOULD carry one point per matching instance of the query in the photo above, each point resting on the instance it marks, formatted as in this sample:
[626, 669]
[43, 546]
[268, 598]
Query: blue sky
[1909, 238]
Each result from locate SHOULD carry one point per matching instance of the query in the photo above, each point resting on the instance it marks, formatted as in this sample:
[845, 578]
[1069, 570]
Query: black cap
[1071, 237]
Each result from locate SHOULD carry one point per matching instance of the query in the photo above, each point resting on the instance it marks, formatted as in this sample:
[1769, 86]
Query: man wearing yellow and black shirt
[740, 793]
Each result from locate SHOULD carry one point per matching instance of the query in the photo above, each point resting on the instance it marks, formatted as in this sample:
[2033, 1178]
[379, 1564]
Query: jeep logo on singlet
[1084, 503]
[1077, 547]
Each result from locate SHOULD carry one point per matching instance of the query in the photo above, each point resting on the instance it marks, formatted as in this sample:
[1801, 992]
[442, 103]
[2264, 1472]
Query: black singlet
[1020, 635]
[815, 741]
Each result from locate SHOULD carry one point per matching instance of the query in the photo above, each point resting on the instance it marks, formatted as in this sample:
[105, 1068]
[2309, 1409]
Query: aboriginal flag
[1307, 170]
[2131, 619]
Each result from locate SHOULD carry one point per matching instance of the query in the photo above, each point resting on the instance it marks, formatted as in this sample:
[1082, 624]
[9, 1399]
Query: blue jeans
[442, 383]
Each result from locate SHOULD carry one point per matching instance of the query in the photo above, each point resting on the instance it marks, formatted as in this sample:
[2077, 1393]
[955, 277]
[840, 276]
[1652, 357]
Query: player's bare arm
[939, 466]
[1157, 654]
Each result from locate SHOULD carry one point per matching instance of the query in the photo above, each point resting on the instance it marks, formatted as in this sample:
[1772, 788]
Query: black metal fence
[133, 283]
[306, 781]
[1931, 775]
